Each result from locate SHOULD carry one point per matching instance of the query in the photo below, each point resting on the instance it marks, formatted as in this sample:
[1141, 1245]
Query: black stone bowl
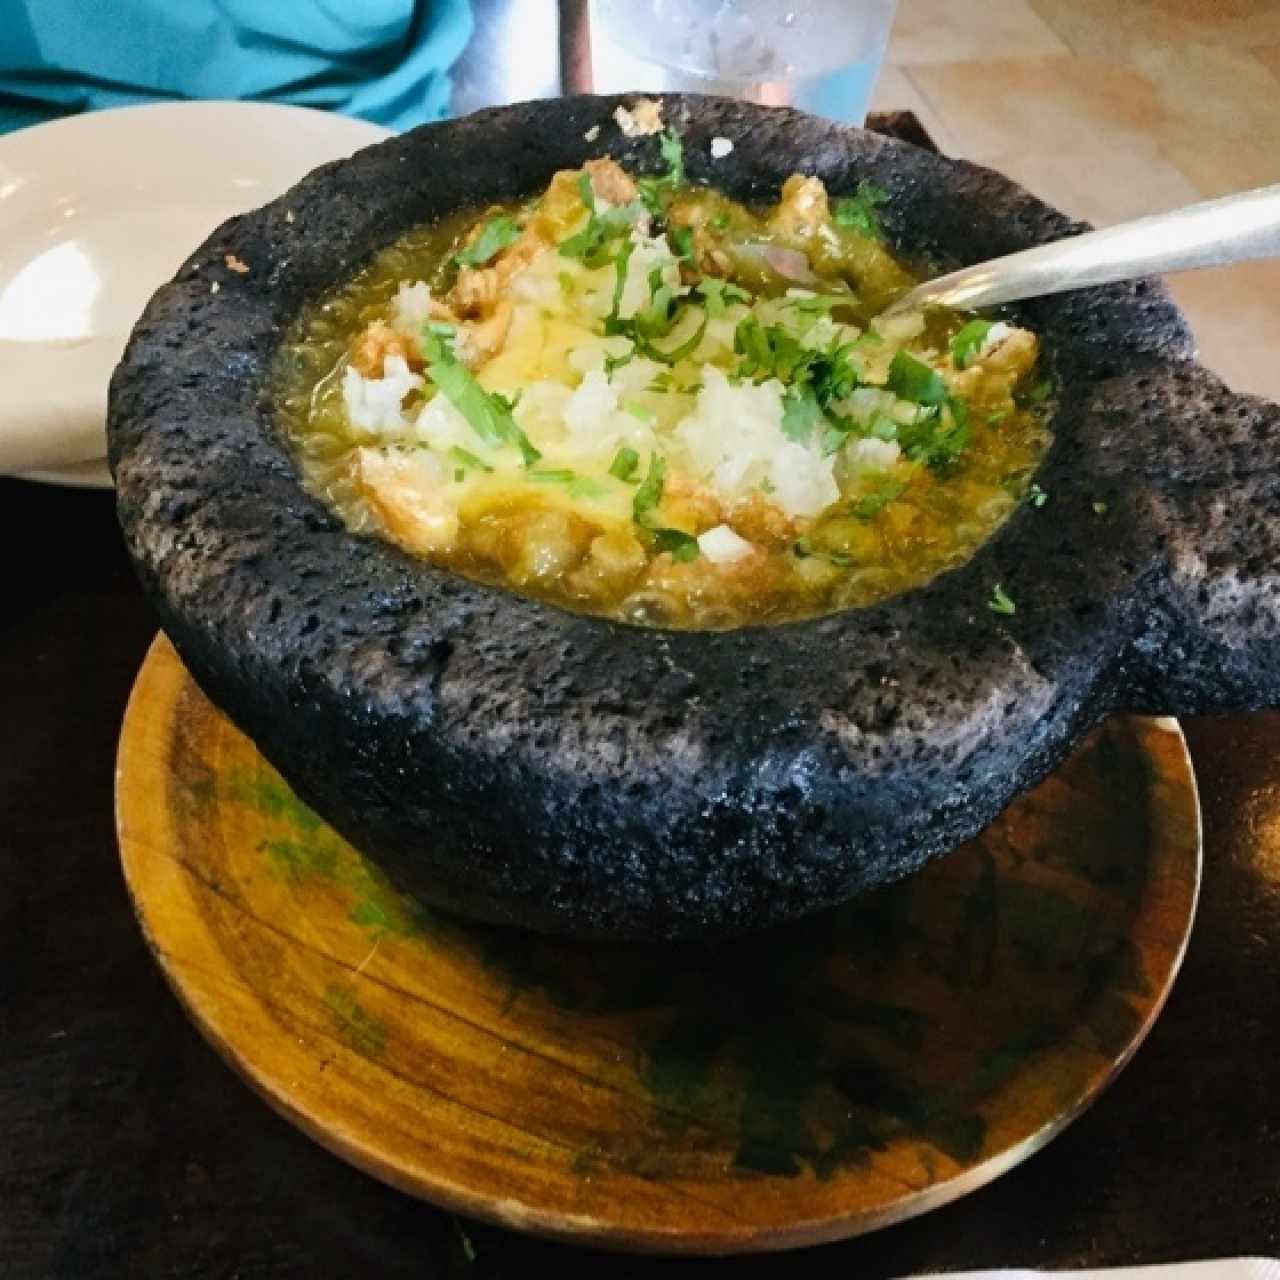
[517, 763]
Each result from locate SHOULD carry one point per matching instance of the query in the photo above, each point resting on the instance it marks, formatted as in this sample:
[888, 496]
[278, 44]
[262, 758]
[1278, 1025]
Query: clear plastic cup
[820, 55]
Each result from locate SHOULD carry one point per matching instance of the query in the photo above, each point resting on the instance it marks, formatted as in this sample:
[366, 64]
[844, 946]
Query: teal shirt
[382, 60]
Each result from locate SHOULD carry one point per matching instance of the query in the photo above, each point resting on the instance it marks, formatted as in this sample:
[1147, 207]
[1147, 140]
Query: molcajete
[514, 762]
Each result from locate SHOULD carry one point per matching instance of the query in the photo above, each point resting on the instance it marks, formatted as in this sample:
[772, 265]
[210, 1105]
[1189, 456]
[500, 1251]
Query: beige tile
[1015, 105]
[1209, 88]
[1118, 29]
[1269, 56]
[956, 30]
[895, 92]
[1236, 319]
[1101, 184]
[1217, 166]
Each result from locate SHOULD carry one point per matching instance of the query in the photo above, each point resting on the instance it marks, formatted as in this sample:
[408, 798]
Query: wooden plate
[816, 1082]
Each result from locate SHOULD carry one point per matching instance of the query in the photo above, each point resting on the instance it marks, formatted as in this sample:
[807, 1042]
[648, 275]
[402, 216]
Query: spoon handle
[1234, 229]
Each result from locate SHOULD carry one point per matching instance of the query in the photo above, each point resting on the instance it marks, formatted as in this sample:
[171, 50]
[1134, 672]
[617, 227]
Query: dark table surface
[128, 1148]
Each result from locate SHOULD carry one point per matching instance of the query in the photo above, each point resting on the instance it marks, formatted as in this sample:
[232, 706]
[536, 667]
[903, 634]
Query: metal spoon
[1234, 229]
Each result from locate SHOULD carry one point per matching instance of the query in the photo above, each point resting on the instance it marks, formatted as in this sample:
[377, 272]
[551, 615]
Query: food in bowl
[642, 399]
[543, 767]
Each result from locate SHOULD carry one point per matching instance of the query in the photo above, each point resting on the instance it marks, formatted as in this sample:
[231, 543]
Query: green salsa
[641, 399]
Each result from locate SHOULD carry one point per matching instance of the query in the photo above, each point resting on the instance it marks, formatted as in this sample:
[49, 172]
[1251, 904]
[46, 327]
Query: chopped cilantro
[968, 341]
[681, 240]
[675, 354]
[938, 436]
[833, 375]
[593, 244]
[649, 494]
[837, 434]
[578, 486]
[816, 379]
[683, 546]
[873, 503]
[468, 459]
[638, 410]
[801, 413]
[489, 415]
[661, 383]
[621, 262]
[458, 473]
[654, 189]
[815, 304]
[624, 463]
[803, 549]
[505, 402]
[721, 220]
[858, 211]
[717, 294]
[566, 282]
[494, 236]
[882, 427]
[616, 362]
[656, 320]
[1040, 392]
[1036, 496]
[1100, 508]
[769, 351]
[912, 379]
[1001, 603]
[671, 147]
[995, 419]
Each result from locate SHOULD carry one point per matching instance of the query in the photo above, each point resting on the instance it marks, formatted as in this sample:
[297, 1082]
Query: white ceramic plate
[97, 211]
[76, 475]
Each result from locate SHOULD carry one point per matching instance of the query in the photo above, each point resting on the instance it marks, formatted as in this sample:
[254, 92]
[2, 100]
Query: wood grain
[778, 1091]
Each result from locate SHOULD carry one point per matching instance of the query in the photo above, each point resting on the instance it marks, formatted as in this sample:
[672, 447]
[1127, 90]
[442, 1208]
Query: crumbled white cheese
[648, 254]
[644, 117]
[866, 402]
[375, 404]
[595, 400]
[592, 134]
[722, 545]
[874, 455]
[720, 147]
[591, 350]
[594, 422]
[540, 410]
[803, 483]
[411, 307]
[735, 444]
[996, 335]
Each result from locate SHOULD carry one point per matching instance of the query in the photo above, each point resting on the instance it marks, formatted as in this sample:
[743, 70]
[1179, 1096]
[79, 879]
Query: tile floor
[1111, 109]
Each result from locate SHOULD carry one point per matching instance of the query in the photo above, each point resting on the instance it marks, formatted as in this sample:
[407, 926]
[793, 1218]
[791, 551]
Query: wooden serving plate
[823, 1080]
